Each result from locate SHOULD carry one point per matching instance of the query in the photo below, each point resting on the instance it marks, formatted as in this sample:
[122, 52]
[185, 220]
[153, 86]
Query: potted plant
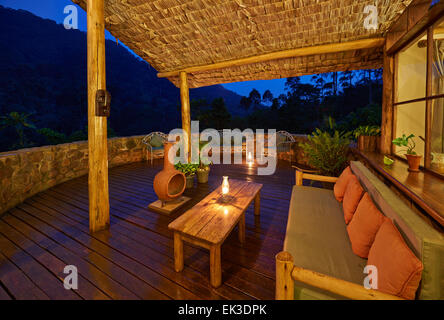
[327, 151]
[413, 158]
[367, 137]
[203, 170]
[189, 170]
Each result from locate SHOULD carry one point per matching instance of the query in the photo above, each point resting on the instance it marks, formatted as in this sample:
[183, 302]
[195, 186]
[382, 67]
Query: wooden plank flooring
[134, 259]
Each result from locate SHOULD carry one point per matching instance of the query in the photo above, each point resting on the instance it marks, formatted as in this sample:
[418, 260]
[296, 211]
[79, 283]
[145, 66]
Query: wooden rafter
[299, 52]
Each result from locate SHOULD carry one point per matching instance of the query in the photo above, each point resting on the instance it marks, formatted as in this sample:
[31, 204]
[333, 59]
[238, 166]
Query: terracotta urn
[169, 184]
[414, 162]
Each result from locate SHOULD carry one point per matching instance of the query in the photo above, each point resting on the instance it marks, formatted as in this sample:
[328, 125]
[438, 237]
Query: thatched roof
[175, 34]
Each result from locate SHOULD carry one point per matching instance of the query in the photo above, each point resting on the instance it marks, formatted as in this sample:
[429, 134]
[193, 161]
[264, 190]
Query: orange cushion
[352, 196]
[341, 184]
[399, 270]
[363, 228]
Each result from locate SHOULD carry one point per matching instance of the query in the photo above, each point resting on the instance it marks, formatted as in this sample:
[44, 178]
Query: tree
[18, 121]
[267, 96]
[217, 117]
[255, 98]
[220, 113]
[346, 79]
[245, 103]
[275, 105]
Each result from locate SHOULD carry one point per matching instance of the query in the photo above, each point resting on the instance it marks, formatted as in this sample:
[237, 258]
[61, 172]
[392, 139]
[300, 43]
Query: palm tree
[17, 121]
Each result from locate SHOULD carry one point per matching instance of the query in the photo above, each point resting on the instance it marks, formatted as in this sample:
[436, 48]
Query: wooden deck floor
[134, 259]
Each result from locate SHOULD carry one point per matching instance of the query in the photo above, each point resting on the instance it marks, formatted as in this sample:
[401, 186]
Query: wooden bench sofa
[318, 261]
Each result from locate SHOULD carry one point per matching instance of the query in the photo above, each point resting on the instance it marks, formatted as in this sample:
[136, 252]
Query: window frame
[429, 97]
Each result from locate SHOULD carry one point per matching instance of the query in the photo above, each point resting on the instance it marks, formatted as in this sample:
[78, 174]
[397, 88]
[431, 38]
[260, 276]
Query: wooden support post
[178, 252]
[299, 178]
[186, 113]
[97, 130]
[387, 105]
[284, 282]
[429, 103]
[215, 266]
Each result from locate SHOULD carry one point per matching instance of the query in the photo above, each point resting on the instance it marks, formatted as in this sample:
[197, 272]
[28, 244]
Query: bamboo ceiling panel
[176, 34]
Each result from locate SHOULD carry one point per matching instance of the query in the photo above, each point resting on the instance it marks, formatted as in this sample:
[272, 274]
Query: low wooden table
[210, 222]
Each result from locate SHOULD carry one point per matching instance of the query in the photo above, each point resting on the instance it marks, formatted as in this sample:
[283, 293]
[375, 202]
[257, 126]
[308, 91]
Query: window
[419, 99]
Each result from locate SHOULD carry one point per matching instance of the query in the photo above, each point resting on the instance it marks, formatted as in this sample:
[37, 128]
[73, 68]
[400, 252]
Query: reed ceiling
[175, 34]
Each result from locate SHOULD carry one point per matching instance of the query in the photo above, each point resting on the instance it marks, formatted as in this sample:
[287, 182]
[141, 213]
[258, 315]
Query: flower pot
[202, 175]
[414, 162]
[367, 143]
[190, 182]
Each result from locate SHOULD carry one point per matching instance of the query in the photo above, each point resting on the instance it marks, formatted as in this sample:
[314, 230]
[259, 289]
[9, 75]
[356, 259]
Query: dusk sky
[53, 9]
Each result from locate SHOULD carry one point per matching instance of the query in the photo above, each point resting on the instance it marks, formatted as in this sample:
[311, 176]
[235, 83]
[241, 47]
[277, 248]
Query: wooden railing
[287, 273]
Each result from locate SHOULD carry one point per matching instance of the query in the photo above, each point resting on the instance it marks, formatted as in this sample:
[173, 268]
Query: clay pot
[169, 184]
[367, 143]
[190, 181]
[414, 162]
[202, 175]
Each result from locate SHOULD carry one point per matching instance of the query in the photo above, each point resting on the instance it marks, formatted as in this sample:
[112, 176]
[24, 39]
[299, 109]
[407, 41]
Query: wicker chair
[147, 141]
[285, 142]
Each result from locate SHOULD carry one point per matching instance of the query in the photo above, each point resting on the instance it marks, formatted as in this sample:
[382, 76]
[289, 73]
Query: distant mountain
[43, 71]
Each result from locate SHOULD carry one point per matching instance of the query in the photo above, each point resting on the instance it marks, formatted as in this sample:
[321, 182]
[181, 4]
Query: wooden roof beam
[299, 52]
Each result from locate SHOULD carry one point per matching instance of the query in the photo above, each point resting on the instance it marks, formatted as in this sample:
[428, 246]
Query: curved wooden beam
[299, 52]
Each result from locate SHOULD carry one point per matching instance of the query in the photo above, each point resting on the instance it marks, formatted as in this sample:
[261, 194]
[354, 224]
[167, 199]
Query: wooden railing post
[97, 130]
[284, 282]
[387, 124]
[299, 178]
[186, 113]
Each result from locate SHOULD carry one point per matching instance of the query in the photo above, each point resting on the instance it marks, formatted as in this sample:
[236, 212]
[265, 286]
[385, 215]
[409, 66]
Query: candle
[225, 186]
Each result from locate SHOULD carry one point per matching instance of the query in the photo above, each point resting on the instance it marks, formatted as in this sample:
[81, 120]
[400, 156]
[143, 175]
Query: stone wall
[26, 172]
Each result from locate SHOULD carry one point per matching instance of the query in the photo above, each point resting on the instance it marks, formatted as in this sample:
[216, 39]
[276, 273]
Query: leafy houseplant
[189, 170]
[367, 137]
[327, 152]
[409, 145]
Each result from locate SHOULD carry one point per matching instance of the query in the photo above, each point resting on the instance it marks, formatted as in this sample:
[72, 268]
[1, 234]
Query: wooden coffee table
[210, 222]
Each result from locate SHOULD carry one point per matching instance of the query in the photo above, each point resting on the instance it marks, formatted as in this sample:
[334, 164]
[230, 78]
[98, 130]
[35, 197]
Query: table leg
[215, 266]
[178, 252]
[257, 204]
[242, 228]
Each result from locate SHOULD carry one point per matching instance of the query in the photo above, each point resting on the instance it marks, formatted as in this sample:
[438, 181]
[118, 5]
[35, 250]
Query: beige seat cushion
[317, 236]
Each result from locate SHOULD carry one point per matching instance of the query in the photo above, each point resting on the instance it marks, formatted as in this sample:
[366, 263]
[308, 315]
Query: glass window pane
[437, 137]
[412, 71]
[410, 119]
[438, 59]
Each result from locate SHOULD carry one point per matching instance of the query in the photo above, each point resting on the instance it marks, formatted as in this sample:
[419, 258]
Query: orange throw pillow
[365, 224]
[399, 270]
[341, 184]
[352, 196]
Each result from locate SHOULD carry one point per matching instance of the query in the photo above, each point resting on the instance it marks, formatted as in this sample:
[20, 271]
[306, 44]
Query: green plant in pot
[367, 137]
[189, 170]
[203, 170]
[409, 146]
[327, 151]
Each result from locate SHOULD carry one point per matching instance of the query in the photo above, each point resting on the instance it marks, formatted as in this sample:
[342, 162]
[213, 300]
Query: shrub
[367, 131]
[52, 136]
[188, 169]
[327, 152]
